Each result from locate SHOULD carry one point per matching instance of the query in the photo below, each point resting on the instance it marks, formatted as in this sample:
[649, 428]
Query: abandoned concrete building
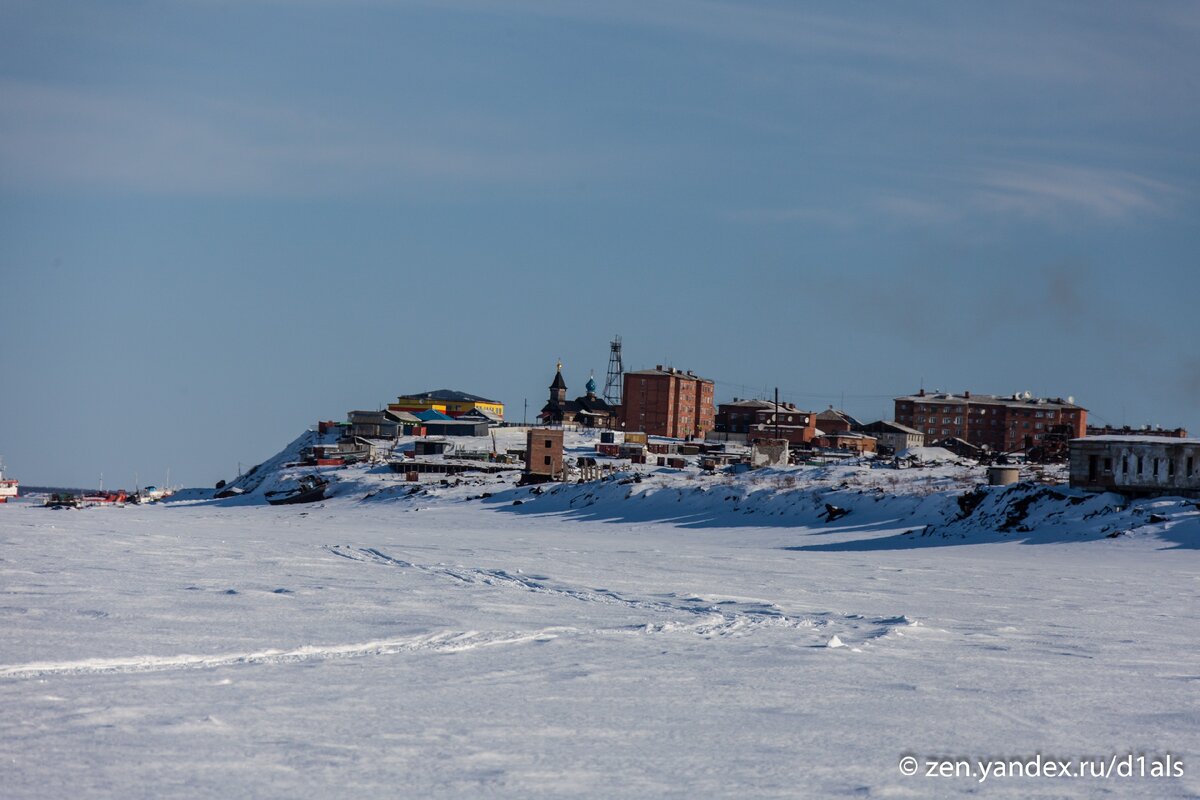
[1138, 466]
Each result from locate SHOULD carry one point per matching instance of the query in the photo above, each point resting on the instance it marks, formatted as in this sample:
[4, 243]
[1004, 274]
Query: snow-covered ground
[657, 634]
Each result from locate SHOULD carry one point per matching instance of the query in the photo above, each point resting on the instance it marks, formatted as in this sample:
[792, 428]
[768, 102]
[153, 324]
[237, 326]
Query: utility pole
[525, 414]
[777, 412]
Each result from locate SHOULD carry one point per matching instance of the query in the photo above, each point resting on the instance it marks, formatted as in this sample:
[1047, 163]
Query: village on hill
[667, 419]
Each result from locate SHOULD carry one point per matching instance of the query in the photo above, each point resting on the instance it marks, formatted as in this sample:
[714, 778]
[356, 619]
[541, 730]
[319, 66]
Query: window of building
[548, 445]
[1139, 472]
[1125, 465]
[1156, 467]
[1189, 466]
[1108, 466]
[546, 460]
[1170, 467]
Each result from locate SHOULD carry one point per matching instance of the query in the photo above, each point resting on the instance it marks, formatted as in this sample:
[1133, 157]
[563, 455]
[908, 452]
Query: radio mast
[616, 370]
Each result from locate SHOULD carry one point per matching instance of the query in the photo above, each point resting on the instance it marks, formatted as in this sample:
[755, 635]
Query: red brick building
[668, 402]
[543, 454]
[1006, 423]
[833, 421]
[760, 419]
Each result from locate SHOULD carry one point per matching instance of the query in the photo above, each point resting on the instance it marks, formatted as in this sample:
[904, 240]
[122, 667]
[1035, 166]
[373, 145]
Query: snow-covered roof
[483, 413]
[678, 373]
[927, 454]
[1139, 439]
[890, 426]
[1018, 400]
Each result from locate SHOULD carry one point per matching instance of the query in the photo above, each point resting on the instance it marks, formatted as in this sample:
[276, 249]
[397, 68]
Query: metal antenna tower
[612, 386]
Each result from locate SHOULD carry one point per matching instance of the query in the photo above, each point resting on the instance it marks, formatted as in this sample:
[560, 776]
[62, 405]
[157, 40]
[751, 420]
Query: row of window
[980, 411]
[1189, 466]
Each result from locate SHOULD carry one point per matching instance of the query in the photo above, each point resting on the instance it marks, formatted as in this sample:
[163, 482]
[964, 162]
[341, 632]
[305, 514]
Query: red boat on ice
[8, 486]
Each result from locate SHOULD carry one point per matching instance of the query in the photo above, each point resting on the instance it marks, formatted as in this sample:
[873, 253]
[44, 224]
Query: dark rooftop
[1016, 399]
[452, 395]
[660, 370]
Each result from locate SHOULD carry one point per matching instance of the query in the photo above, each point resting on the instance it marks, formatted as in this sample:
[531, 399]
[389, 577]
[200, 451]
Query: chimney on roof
[658, 367]
[967, 394]
[922, 392]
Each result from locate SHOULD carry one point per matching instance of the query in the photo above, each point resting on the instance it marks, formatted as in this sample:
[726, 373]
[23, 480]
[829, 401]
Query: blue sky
[222, 220]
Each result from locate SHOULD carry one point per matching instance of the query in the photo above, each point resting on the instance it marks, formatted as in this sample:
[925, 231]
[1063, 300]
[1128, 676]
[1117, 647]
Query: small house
[543, 455]
[893, 436]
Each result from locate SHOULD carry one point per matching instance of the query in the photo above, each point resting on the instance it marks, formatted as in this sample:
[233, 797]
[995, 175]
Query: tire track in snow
[698, 606]
[440, 642]
[714, 616]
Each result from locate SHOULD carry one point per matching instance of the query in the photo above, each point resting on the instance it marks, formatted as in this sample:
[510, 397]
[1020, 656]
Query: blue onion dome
[591, 385]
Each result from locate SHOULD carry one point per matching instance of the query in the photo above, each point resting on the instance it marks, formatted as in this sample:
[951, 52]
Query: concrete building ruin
[1138, 466]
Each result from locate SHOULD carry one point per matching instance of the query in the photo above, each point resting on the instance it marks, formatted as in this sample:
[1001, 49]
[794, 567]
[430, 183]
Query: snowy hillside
[946, 499]
[661, 633]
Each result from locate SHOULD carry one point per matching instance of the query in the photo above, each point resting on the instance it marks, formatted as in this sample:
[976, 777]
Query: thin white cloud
[1073, 44]
[1046, 192]
[1039, 189]
[67, 136]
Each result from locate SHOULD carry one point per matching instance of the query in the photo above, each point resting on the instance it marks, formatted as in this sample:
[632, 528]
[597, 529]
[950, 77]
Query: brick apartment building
[761, 419]
[668, 402]
[1006, 423]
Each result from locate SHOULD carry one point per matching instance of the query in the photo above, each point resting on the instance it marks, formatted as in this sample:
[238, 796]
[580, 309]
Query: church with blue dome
[590, 410]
